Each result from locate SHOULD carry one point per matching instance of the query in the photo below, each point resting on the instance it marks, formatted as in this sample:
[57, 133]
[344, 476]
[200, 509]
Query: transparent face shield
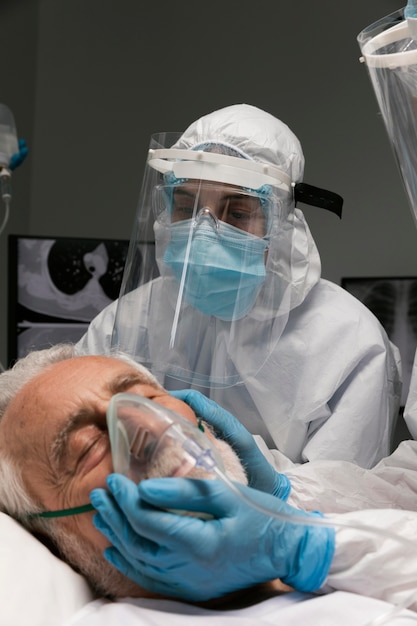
[218, 227]
[390, 53]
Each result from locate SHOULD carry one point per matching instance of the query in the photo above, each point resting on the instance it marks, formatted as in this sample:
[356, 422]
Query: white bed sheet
[36, 588]
[293, 609]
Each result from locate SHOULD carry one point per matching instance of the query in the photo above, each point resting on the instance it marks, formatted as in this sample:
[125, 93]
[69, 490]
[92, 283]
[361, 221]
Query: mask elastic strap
[77, 510]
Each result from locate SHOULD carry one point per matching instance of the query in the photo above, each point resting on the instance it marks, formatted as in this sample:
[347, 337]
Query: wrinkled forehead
[52, 395]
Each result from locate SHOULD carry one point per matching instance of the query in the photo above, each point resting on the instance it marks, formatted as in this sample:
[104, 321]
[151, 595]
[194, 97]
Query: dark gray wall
[18, 50]
[90, 80]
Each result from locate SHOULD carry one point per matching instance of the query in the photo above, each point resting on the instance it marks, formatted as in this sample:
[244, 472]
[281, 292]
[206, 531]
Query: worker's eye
[180, 213]
[243, 213]
[238, 213]
[182, 207]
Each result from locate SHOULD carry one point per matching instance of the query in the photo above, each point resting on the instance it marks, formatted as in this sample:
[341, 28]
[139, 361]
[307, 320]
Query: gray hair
[38, 361]
[26, 368]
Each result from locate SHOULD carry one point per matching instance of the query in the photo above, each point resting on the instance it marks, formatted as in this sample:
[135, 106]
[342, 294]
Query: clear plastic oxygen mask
[148, 440]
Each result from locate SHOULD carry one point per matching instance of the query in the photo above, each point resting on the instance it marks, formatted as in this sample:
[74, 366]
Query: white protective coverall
[329, 387]
[410, 413]
[383, 497]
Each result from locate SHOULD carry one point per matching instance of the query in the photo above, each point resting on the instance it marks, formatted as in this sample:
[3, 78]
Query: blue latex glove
[411, 9]
[20, 156]
[195, 559]
[261, 474]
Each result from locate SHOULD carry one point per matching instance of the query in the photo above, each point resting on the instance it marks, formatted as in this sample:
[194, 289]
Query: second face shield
[389, 50]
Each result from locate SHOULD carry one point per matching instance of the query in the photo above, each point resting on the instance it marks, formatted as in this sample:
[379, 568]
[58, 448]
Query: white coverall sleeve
[379, 564]
[410, 410]
[97, 339]
[343, 487]
[384, 498]
[332, 387]
[363, 411]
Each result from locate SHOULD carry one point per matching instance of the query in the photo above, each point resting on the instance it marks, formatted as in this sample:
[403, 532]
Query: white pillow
[36, 588]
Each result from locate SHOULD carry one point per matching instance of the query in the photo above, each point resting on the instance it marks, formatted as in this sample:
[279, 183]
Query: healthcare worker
[239, 311]
[379, 564]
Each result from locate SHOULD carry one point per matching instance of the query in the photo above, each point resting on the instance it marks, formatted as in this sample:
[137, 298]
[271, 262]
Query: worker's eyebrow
[180, 191]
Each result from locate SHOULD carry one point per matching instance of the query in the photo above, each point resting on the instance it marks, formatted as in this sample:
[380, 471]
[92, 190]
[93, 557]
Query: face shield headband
[222, 168]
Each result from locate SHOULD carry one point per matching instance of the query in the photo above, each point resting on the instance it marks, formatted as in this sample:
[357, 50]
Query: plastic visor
[390, 54]
[157, 324]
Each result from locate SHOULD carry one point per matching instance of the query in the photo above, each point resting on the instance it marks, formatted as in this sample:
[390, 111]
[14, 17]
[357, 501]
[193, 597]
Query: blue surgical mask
[225, 266]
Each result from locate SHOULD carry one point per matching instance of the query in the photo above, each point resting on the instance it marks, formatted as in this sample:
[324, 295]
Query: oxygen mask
[148, 440]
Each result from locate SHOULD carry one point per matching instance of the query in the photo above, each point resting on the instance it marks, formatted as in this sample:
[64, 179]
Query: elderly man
[54, 450]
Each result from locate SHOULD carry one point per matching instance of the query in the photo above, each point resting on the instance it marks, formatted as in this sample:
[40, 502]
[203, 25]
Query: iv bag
[8, 136]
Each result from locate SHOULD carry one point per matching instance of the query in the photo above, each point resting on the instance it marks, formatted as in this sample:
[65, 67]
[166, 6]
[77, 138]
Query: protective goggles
[247, 210]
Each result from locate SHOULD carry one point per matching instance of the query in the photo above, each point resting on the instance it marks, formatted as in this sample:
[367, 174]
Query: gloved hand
[20, 156]
[261, 474]
[195, 559]
[411, 9]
